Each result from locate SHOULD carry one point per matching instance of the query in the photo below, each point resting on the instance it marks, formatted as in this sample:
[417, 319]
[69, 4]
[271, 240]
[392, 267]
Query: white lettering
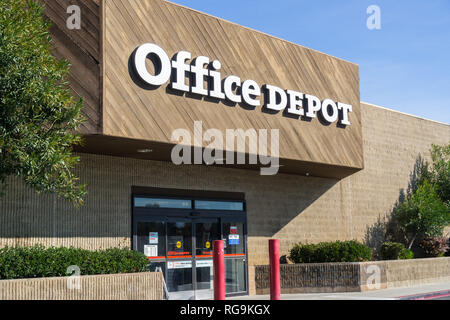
[215, 146]
[74, 21]
[314, 105]
[374, 280]
[228, 85]
[326, 105]
[374, 20]
[274, 159]
[346, 108]
[200, 72]
[181, 152]
[276, 98]
[181, 68]
[198, 142]
[250, 143]
[233, 89]
[251, 90]
[216, 91]
[241, 137]
[295, 101]
[140, 58]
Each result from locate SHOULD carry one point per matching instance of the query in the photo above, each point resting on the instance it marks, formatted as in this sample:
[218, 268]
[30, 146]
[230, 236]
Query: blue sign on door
[233, 239]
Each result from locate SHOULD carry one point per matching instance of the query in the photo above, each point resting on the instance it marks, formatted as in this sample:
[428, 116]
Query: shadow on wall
[273, 202]
[27, 218]
[385, 228]
[376, 234]
[272, 213]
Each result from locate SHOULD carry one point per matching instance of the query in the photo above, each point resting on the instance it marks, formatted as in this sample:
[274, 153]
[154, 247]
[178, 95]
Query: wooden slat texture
[132, 112]
[82, 49]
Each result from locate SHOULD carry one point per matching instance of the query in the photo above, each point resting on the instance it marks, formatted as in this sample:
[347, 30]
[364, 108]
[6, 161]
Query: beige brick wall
[292, 208]
[352, 276]
[133, 286]
[407, 273]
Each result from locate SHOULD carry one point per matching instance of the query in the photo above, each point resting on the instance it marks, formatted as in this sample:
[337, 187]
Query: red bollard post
[219, 269]
[274, 256]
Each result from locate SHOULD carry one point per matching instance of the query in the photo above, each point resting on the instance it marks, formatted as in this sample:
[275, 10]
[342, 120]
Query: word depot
[232, 88]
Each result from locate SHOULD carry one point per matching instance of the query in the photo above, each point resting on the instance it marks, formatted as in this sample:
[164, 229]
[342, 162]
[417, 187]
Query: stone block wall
[292, 208]
[352, 276]
[135, 286]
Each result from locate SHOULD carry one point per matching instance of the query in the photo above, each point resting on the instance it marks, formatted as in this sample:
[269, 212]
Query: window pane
[162, 203]
[205, 276]
[234, 275]
[179, 239]
[206, 233]
[233, 233]
[179, 276]
[151, 239]
[219, 205]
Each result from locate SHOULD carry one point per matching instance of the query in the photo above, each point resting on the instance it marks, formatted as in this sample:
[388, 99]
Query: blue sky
[404, 66]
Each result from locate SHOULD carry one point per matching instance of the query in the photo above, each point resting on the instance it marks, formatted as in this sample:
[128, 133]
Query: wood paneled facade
[83, 49]
[123, 117]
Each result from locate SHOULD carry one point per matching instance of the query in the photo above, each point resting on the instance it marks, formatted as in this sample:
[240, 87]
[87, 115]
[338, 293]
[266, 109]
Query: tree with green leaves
[422, 214]
[440, 171]
[38, 114]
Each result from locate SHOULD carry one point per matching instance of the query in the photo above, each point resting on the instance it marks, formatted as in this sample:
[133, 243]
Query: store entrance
[179, 241]
[206, 231]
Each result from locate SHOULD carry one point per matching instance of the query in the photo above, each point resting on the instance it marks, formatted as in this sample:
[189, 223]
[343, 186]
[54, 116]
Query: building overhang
[128, 62]
[132, 148]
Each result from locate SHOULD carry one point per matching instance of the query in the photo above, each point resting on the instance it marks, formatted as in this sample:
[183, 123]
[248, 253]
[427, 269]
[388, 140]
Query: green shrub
[339, 251]
[395, 251]
[422, 214]
[39, 262]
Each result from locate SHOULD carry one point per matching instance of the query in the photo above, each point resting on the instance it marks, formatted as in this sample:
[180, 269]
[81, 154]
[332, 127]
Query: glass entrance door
[168, 244]
[235, 255]
[180, 259]
[206, 231]
[177, 237]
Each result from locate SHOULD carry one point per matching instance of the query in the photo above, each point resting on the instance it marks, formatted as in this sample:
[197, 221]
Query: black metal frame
[165, 214]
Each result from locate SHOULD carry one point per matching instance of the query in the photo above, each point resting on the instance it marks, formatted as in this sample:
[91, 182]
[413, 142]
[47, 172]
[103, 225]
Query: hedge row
[395, 251]
[38, 261]
[339, 251]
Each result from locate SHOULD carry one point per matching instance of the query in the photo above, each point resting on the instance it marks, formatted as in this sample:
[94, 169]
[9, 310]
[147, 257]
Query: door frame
[244, 222]
[192, 214]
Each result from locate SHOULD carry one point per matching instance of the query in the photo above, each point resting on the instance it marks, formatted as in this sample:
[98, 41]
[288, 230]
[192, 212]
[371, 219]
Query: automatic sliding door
[150, 239]
[235, 256]
[206, 231]
[177, 237]
[179, 260]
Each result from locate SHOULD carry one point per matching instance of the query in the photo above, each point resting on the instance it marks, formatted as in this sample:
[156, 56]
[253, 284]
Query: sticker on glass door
[151, 250]
[179, 264]
[153, 238]
[233, 239]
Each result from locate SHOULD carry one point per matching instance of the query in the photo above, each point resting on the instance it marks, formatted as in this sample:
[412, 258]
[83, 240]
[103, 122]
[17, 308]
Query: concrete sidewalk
[385, 294]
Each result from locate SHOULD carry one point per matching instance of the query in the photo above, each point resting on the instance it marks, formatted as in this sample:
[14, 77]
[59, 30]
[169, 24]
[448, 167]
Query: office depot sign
[202, 77]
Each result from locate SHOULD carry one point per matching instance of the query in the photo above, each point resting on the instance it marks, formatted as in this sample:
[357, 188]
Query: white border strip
[404, 113]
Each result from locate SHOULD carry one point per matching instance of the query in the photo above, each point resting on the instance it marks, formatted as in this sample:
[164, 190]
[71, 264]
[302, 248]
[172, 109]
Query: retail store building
[343, 163]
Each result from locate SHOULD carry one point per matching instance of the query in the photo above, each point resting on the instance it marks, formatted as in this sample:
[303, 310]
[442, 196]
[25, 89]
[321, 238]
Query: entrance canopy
[149, 68]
